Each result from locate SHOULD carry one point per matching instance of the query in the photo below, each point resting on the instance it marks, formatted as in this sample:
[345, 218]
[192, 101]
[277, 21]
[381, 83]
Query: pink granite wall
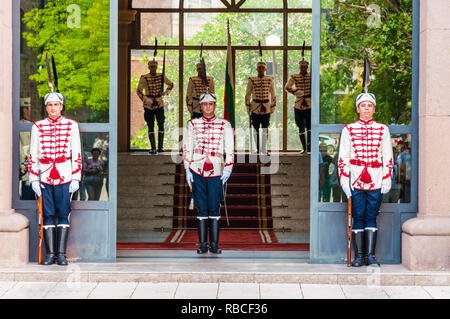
[426, 239]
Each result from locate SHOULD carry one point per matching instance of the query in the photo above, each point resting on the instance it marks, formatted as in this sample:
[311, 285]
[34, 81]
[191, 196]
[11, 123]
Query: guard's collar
[55, 120]
[361, 121]
[209, 119]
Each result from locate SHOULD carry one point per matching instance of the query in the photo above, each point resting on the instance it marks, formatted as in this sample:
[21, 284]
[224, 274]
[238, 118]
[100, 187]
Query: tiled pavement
[179, 290]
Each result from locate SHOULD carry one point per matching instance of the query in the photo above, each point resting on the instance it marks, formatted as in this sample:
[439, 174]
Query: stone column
[13, 226]
[426, 238]
[126, 18]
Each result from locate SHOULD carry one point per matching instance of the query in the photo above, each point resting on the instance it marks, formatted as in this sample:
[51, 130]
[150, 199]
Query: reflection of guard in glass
[151, 90]
[55, 167]
[300, 86]
[261, 102]
[93, 173]
[26, 190]
[365, 172]
[196, 87]
[206, 142]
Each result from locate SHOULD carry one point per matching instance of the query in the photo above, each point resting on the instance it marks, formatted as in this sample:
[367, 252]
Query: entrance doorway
[267, 202]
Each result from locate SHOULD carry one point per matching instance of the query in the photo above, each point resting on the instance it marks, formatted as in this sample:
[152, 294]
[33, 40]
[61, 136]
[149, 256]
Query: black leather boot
[160, 142]
[358, 243]
[371, 240]
[214, 236]
[62, 233]
[49, 240]
[151, 137]
[302, 141]
[203, 236]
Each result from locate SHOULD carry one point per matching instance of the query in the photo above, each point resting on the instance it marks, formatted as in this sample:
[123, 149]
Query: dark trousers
[56, 203]
[365, 208]
[208, 195]
[260, 121]
[303, 121]
[150, 115]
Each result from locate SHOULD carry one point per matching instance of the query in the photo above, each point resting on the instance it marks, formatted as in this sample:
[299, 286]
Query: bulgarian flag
[228, 112]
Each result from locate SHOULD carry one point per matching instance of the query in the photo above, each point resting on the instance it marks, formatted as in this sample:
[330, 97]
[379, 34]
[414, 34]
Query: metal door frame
[28, 207]
[401, 212]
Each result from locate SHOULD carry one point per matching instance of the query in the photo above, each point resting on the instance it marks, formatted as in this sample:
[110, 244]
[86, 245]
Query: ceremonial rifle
[349, 232]
[224, 189]
[191, 204]
[55, 74]
[303, 50]
[49, 73]
[366, 76]
[40, 229]
[203, 72]
[55, 77]
[163, 75]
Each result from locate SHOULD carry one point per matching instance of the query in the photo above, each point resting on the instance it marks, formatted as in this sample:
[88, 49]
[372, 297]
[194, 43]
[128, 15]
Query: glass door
[343, 34]
[82, 40]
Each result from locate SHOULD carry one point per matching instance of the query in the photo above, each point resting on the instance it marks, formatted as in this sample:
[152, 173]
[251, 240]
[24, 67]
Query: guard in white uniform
[365, 172]
[55, 166]
[207, 140]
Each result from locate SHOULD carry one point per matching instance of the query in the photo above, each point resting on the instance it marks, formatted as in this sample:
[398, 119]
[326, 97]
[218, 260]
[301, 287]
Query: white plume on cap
[365, 97]
[207, 97]
[54, 97]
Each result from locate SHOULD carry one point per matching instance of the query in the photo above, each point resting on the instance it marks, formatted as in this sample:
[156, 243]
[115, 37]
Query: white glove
[347, 190]
[225, 176]
[36, 186]
[74, 186]
[385, 189]
[189, 177]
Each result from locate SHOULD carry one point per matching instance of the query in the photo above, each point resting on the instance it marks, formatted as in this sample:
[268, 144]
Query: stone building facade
[425, 238]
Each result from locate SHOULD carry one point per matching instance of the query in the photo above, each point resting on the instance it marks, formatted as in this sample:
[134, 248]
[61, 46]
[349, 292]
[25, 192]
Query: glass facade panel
[201, 4]
[215, 61]
[138, 128]
[163, 26]
[381, 31]
[155, 4]
[401, 179]
[262, 4]
[245, 28]
[79, 44]
[25, 190]
[299, 28]
[300, 4]
[246, 67]
[95, 176]
[329, 185]
[293, 140]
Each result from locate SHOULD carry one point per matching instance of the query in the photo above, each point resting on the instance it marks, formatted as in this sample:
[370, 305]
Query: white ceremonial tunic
[365, 155]
[55, 151]
[206, 141]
